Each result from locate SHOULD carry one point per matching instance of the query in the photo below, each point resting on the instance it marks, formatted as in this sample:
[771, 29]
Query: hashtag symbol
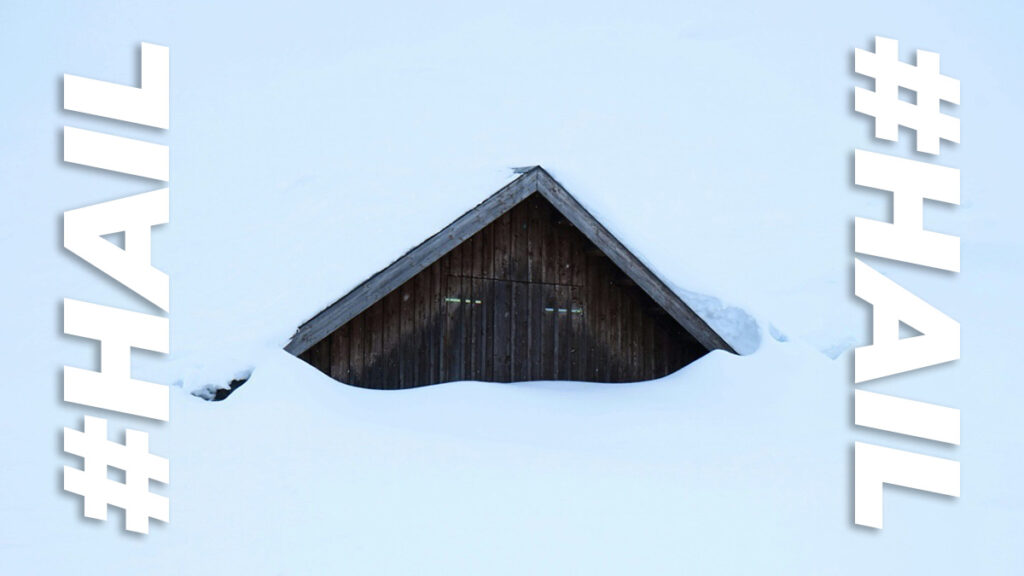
[133, 457]
[924, 79]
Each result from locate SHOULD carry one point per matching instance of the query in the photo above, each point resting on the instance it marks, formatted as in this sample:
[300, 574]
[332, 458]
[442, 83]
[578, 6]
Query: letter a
[84, 229]
[888, 353]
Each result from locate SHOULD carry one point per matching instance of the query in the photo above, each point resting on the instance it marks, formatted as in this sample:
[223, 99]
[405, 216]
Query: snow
[713, 140]
[735, 325]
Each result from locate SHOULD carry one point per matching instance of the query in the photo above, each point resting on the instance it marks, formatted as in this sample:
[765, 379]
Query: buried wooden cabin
[526, 286]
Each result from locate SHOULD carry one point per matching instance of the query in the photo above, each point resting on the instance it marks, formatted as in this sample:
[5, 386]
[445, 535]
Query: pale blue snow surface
[314, 143]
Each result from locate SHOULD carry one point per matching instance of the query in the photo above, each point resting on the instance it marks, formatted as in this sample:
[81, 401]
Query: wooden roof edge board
[412, 262]
[649, 282]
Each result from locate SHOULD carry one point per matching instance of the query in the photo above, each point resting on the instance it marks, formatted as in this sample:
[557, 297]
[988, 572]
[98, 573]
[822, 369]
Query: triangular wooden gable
[535, 182]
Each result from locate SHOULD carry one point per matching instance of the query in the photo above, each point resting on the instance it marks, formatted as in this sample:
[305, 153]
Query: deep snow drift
[714, 140]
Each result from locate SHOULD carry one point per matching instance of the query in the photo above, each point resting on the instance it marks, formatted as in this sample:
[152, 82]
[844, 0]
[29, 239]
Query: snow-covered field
[714, 140]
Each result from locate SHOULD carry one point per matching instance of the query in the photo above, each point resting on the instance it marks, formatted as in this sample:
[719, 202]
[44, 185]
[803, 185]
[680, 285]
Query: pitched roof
[533, 180]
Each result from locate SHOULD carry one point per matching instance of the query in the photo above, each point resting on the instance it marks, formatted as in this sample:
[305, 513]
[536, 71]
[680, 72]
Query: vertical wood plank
[357, 358]
[598, 327]
[613, 328]
[487, 252]
[534, 239]
[549, 244]
[502, 246]
[519, 249]
[389, 340]
[556, 334]
[457, 315]
[578, 256]
[502, 331]
[564, 253]
[487, 352]
[622, 313]
[520, 350]
[475, 255]
[422, 321]
[577, 346]
[406, 334]
[375, 334]
[469, 328]
[647, 349]
[536, 332]
[340, 350]
[477, 329]
[565, 331]
[636, 365]
[661, 345]
[438, 286]
[548, 325]
[444, 325]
